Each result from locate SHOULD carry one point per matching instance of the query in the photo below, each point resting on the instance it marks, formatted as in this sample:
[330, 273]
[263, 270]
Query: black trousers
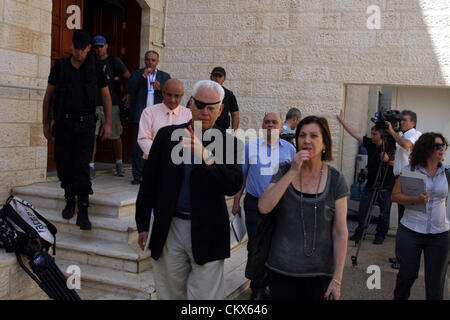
[410, 245]
[296, 288]
[74, 143]
[252, 219]
[401, 211]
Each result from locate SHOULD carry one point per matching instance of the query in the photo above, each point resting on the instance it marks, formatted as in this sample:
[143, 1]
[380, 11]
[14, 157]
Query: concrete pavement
[354, 283]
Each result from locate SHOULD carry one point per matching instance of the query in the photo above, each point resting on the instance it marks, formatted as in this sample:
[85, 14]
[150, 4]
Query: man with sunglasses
[113, 68]
[404, 143]
[230, 105]
[190, 237]
[145, 85]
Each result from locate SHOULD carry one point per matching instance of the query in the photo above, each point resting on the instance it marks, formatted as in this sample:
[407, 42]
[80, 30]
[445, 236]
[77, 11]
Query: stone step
[82, 250]
[103, 283]
[113, 202]
[48, 195]
[84, 247]
[122, 230]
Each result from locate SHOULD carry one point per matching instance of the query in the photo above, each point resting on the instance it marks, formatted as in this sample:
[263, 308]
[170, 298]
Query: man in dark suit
[190, 237]
[146, 86]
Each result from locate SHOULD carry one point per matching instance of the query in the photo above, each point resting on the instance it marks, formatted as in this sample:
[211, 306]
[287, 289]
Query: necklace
[306, 251]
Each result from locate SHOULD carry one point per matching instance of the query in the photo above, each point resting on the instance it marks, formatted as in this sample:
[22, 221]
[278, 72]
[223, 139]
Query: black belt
[182, 216]
[78, 117]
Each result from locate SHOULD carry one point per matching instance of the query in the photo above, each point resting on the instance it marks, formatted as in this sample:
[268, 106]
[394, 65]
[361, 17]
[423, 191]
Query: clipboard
[238, 227]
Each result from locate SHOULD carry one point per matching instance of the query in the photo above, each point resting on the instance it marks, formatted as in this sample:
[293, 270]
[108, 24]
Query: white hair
[209, 84]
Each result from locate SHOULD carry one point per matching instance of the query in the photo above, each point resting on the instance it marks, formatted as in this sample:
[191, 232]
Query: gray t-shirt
[287, 253]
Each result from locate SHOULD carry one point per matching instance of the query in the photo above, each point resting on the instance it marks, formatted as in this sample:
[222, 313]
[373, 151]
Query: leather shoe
[69, 210]
[83, 219]
[395, 265]
[134, 182]
[260, 294]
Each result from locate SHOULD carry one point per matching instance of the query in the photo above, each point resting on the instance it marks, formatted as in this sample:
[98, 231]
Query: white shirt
[151, 92]
[401, 154]
[435, 220]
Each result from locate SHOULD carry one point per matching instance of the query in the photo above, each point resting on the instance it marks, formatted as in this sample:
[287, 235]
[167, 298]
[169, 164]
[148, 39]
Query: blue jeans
[384, 202]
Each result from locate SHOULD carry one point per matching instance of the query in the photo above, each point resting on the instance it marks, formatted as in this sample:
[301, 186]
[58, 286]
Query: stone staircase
[111, 263]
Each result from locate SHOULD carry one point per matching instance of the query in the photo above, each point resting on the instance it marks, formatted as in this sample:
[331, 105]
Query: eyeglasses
[201, 105]
[98, 47]
[440, 146]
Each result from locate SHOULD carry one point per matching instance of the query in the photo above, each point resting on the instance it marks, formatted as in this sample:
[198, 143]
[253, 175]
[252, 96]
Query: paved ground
[354, 282]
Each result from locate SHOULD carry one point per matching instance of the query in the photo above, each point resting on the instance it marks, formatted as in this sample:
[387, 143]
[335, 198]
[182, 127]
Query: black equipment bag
[24, 231]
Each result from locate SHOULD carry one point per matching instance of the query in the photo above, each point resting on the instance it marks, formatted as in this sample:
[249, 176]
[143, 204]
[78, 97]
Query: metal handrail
[21, 86]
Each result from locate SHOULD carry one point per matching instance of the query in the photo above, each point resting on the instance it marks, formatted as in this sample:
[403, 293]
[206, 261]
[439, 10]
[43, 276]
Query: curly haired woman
[427, 232]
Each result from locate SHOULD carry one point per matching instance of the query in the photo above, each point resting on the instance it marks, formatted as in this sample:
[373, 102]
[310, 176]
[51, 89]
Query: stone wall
[152, 26]
[299, 53]
[15, 284]
[25, 38]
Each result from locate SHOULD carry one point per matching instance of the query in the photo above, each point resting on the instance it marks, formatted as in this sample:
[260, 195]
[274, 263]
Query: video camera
[392, 116]
[289, 137]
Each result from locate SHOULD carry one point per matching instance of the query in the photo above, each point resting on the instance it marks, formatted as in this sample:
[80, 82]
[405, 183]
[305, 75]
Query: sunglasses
[201, 105]
[440, 146]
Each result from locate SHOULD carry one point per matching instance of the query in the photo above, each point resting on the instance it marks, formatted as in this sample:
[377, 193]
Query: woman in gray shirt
[309, 242]
[427, 232]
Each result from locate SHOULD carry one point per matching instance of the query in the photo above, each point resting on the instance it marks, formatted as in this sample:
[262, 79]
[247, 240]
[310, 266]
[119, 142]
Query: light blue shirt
[261, 162]
[435, 220]
[286, 129]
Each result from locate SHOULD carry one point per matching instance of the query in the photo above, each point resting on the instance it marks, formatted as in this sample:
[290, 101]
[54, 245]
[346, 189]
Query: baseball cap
[219, 70]
[81, 39]
[99, 41]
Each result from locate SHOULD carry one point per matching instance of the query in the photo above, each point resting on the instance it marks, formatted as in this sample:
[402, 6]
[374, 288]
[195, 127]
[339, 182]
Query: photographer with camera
[376, 154]
[405, 144]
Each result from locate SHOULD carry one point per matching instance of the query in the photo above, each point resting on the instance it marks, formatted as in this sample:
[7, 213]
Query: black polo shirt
[373, 161]
[76, 99]
[114, 68]
[229, 106]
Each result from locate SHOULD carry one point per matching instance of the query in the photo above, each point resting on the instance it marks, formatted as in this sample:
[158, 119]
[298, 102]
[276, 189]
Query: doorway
[119, 21]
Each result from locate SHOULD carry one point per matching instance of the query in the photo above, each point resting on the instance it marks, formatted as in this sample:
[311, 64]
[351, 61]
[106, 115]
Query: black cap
[81, 39]
[219, 70]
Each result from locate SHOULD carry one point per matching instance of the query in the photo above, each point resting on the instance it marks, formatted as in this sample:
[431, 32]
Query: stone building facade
[317, 55]
[278, 54]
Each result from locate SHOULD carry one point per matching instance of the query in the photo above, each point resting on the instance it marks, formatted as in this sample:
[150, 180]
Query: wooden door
[61, 41]
[119, 21]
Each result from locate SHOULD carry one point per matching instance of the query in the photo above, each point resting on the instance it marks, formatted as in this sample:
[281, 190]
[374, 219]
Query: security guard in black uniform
[72, 88]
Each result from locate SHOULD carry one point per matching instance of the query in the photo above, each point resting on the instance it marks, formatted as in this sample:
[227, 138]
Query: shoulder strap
[447, 174]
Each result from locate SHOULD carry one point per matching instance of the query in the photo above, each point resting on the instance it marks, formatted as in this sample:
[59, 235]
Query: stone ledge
[100, 247]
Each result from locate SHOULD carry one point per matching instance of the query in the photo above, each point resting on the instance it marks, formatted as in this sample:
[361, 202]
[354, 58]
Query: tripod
[377, 187]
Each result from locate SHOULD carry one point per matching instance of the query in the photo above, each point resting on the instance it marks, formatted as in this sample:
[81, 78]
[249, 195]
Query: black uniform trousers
[74, 143]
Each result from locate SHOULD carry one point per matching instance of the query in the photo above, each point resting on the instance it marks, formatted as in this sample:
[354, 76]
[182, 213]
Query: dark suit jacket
[138, 85]
[160, 188]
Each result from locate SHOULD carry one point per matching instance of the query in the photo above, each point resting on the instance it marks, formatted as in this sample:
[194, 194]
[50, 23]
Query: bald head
[273, 117]
[173, 92]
